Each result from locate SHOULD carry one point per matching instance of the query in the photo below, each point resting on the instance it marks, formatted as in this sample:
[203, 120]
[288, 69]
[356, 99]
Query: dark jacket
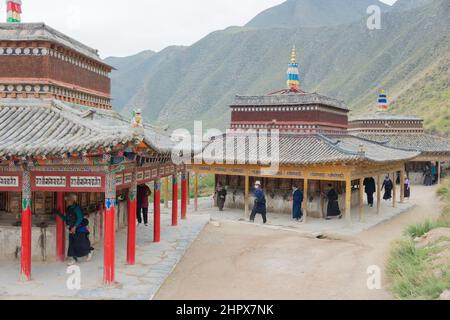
[370, 185]
[260, 202]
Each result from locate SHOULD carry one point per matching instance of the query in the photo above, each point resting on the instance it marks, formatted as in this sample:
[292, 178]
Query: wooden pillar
[184, 194]
[402, 186]
[131, 235]
[378, 194]
[175, 199]
[157, 211]
[196, 192]
[348, 199]
[60, 229]
[166, 192]
[110, 231]
[394, 190]
[25, 258]
[247, 197]
[305, 199]
[361, 200]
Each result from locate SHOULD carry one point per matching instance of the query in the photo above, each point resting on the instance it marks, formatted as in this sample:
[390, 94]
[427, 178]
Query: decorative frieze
[55, 91]
[30, 51]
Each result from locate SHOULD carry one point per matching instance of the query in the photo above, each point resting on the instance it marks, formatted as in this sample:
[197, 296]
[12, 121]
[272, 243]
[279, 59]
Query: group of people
[388, 186]
[260, 206]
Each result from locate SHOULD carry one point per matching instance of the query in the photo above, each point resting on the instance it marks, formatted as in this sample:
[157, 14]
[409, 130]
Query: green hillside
[348, 62]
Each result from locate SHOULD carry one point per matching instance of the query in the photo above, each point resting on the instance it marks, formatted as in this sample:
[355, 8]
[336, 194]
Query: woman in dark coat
[221, 193]
[79, 243]
[388, 186]
[407, 188]
[297, 199]
[333, 204]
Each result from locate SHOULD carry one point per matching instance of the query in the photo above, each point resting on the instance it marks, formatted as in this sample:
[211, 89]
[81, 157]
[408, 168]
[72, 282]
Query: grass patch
[414, 272]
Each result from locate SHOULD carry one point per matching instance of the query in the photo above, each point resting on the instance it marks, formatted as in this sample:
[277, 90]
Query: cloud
[122, 28]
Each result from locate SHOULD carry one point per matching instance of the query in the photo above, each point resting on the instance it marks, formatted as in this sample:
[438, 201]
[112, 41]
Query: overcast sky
[125, 27]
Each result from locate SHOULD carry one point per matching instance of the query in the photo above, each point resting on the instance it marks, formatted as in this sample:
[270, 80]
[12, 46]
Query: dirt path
[238, 261]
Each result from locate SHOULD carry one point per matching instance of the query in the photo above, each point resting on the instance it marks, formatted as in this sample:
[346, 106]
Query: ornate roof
[421, 142]
[288, 99]
[42, 32]
[30, 127]
[302, 149]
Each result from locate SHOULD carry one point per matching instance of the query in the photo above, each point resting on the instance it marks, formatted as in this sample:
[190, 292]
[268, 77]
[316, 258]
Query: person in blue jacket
[79, 243]
[297, 199]
[260, 203]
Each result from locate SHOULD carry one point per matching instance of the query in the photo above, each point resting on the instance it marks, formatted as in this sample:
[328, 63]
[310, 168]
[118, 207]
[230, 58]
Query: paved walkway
[316, 227]
[154, 263]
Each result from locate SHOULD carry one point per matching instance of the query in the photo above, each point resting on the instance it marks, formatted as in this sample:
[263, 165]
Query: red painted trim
[60, 229]
[131, 238]
[26, 243]
[109, 246]
[183, 197]
[67, 187]
[12, 189]
[175, 202]
[48, 81]
[157, 213]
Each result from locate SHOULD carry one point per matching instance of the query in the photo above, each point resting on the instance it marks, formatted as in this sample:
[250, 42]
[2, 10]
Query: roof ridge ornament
[137, 119]
[383, 102]
[293, 73]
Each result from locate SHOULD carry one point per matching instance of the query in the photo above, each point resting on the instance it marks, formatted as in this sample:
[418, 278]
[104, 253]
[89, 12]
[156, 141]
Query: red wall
[53, 68]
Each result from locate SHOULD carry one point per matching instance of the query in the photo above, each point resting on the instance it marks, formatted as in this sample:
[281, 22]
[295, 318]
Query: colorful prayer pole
[293, 73]
[110, 231]
[382, 101]
[14, 10]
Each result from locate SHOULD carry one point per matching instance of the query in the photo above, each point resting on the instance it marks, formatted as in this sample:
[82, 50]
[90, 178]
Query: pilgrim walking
[388, 186]
[259, 206]
[143, 192]
[333, 210]
[79, 243]
[370, 188]
[297, 199]
[221, 195]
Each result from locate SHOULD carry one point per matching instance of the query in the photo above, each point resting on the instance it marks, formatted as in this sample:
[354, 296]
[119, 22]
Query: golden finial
[293, 55]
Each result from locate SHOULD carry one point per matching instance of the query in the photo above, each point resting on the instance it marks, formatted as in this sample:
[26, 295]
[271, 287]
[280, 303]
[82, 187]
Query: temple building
[406, 133]
[306, 136]
[59, 135]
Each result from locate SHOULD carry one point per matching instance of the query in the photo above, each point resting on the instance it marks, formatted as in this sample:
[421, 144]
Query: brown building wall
[54, 69]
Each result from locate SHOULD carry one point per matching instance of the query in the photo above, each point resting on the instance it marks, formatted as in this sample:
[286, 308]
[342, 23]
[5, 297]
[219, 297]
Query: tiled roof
[302, 149]
[288, 99]
[42, 32]
[49, 127]
[411, 141]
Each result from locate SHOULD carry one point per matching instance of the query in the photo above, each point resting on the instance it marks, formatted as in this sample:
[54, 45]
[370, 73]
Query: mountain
[346, 61]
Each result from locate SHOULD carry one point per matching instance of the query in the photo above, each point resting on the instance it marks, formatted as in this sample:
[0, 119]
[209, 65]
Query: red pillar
[26, 238]
[183, 196]
[175, 200]
[60, 229]
[131, 241]
[157, 211]
[109, 242]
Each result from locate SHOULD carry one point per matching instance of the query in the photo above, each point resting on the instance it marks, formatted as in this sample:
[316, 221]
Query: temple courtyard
[237, 260]
[220, 255]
